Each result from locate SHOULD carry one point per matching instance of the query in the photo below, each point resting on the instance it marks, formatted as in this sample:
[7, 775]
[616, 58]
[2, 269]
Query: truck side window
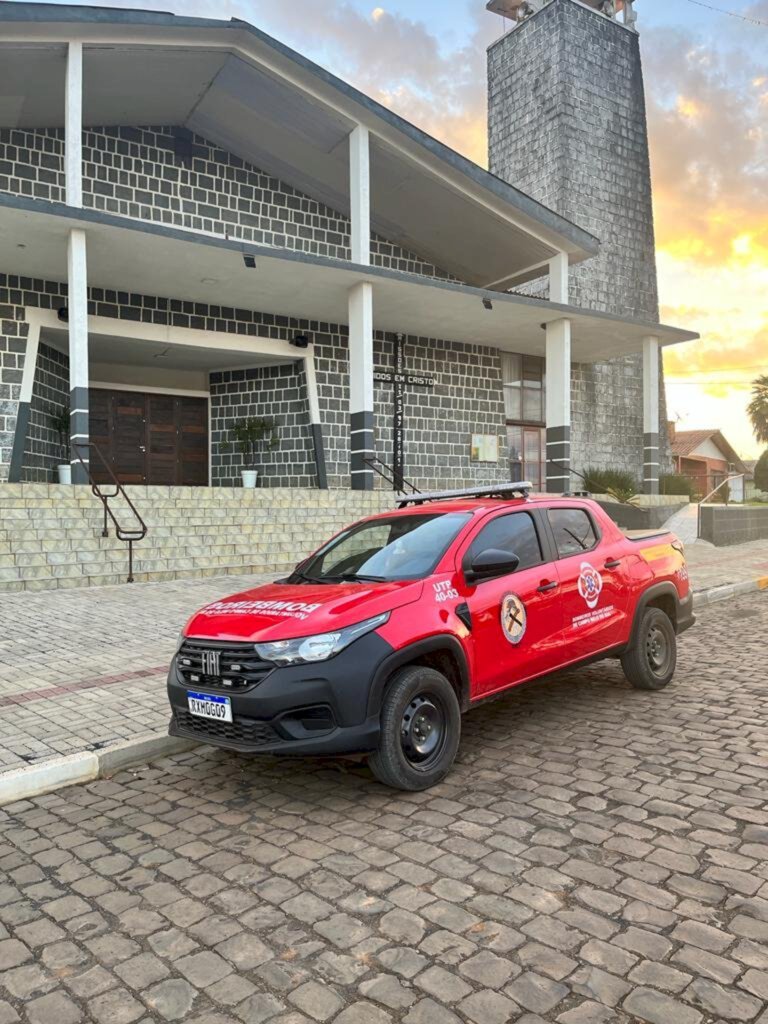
[573, 529]
[515, 533]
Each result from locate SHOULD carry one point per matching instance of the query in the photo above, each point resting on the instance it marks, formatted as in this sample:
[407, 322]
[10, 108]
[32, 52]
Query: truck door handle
[613, 563]
[545, 588]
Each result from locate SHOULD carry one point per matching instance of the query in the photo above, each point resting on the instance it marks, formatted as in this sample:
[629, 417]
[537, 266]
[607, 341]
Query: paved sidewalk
[598, 856]
[84, 669]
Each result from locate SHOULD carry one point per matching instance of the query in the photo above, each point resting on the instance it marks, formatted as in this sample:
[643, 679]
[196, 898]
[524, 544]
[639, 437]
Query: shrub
[618, 483]
[761, 472]
[676, 483]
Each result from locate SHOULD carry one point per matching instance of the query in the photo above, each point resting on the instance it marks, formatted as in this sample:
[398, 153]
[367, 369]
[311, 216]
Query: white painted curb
[37, 779]
[728, 591]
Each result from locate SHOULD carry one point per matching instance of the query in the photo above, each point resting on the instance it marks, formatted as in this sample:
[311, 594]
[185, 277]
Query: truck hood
[283, 612]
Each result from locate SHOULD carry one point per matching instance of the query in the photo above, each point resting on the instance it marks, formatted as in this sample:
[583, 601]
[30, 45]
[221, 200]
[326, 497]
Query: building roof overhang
[149, 259]
[257, 98]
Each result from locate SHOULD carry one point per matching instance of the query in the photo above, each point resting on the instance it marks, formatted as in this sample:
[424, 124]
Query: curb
[38, 779]
[728, 591]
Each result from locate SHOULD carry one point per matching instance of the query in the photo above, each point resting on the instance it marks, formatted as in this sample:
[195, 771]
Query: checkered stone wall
[13, 346]
[169, 176]
[467, 397]
[50, 392]
[567, 125]
[278, 393]
[32, 163]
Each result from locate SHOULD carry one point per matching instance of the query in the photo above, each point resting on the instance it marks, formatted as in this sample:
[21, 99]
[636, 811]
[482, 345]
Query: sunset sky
[707, 93]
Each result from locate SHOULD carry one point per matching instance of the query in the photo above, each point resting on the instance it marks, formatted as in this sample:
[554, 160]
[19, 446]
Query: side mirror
[489, 564]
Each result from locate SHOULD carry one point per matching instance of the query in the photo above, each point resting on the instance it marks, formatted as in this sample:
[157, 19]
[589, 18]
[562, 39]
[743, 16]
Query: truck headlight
[321, 647]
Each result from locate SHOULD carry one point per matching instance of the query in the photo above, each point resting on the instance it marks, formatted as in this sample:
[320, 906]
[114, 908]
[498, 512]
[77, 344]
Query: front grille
[240, 666]
[242, 730]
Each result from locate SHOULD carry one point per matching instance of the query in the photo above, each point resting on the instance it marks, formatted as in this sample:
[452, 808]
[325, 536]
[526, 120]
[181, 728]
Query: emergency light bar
[522, 490]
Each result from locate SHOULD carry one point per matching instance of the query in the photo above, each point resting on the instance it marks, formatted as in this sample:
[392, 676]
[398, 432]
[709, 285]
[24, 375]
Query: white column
[360, 194]
[362, 442]
[73, 125]
[651, 417]
[559, 406]
[77, 303]
[558, 278]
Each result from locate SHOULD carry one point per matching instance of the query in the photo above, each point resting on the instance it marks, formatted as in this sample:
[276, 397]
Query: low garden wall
[647, 514]
[724, 525]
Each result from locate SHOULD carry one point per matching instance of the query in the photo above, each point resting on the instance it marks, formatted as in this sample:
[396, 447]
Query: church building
[199, 225]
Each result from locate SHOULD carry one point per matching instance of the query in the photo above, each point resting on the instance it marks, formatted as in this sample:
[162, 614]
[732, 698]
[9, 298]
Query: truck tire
[420, 730]
[650, 662]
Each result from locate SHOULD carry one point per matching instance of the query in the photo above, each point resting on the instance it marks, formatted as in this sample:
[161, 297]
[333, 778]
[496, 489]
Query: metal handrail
[728, 480]
[387, 473]
[128, 536]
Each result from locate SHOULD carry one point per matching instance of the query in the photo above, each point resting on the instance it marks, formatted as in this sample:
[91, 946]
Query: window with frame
[574, 531]
[515, 533]
[524, 379]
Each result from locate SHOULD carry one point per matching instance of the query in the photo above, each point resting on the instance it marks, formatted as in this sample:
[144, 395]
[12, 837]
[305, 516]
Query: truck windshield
[394, 548]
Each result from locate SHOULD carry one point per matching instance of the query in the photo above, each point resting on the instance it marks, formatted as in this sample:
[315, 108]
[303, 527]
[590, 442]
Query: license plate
[203, 705]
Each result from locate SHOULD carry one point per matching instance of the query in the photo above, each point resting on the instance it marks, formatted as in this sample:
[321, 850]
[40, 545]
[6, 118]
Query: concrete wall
[567, 125]
[724, 525]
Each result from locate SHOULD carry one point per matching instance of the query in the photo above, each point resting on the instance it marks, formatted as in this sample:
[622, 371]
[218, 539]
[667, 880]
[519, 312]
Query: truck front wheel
[650, 662]
[420, 730]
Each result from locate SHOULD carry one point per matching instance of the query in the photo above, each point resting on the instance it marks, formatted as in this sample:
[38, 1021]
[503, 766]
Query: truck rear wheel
[420, 730]
[650, 662]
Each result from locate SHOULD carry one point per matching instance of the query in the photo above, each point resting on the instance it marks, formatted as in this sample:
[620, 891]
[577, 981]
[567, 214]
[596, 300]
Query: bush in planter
[58, 417]
[676, 483]
[251, 435]
[618, 483]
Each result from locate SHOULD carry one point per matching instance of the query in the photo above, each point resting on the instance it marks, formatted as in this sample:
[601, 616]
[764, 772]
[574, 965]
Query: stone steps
[50, 535]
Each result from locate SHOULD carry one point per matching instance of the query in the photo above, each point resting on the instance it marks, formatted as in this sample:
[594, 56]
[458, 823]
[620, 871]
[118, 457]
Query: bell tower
[567, 125]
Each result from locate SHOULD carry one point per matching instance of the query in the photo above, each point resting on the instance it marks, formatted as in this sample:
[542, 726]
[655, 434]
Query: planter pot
[249, 477]
[65, 474]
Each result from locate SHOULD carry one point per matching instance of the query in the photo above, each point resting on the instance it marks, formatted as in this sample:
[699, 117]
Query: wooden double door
[148, 438]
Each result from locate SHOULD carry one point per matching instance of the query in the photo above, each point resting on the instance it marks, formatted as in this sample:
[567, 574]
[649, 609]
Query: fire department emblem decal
[514, 618]
[590, 584]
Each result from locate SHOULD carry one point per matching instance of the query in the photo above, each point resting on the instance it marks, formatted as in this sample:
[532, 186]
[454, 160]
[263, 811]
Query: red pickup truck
[378, 642]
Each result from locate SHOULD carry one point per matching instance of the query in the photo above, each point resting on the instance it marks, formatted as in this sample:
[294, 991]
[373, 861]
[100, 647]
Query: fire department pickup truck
[381, 640]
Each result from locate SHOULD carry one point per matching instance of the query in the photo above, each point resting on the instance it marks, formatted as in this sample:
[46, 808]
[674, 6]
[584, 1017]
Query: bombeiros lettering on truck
[381, 641]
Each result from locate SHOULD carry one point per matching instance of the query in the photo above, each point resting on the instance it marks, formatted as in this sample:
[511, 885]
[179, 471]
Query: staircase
[50, 535]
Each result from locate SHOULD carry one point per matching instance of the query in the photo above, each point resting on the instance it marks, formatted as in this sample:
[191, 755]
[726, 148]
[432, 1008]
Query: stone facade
[467, 396]
[167, 175]
[567, 125]
[50, 392]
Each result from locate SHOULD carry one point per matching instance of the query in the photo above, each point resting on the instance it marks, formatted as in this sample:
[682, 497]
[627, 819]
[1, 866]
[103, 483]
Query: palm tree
[758, 408]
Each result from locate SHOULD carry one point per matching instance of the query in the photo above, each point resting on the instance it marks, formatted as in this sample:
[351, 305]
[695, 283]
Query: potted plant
[251, 435]
[59, 419]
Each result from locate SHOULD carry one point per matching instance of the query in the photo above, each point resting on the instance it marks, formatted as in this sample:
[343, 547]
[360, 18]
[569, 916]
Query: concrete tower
[567, 125]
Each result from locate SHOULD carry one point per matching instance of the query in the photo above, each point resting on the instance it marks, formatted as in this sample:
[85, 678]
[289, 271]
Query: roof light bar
[522, 490]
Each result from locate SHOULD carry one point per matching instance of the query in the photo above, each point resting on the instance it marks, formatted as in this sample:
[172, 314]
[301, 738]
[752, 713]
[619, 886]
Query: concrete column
[559, 406]
[362, 442]
[315, 423]
[360, 194]
[73, 125]
[558, 278]
[651, 424]
[77, 283]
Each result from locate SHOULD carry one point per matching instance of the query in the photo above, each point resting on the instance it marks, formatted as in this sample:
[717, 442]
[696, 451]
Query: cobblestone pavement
[712, 567]
[80, 669]
[598, 856]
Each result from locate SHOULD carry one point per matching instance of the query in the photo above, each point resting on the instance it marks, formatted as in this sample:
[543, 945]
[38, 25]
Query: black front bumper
[303, 710]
